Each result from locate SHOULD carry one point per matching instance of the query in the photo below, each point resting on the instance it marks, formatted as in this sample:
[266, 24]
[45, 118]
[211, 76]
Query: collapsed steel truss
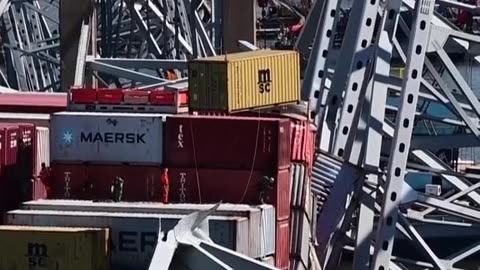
[373, 121]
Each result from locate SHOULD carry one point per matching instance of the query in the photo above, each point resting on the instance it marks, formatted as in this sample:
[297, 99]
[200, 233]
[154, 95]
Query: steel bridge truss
[358, 105]
[115, 43]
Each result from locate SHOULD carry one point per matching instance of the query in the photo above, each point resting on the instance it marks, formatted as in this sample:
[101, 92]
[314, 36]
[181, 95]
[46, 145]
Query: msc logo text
[37, 255]
[264, 81]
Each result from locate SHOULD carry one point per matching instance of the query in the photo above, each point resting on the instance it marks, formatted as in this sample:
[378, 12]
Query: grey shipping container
[261, 218]
[299, 182]
[134, 236]
[299, 236]
[107, 137]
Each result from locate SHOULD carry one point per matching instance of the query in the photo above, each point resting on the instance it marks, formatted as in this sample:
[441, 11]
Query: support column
[239, 23]
[72, 14]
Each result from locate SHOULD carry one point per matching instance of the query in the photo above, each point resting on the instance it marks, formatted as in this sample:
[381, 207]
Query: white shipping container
[261, 219]
[299, 235]
[38, 119]
[43, 148]
[134, 236]
[299, 181]
[107, 137]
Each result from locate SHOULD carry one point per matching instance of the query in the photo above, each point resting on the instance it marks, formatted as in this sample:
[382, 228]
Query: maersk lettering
[135, 241]
[113, 137]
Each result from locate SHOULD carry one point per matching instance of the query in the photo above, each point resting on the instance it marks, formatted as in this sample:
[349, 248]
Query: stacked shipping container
[231, 159]
[90, 149]
[244, 81]
[303, 216]
[134, 235]
[170, 99]
[49, 248]
[261, 219]
[19, 156]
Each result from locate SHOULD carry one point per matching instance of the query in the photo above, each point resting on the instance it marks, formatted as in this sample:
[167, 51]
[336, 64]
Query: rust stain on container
[242, 81]
[54, 248]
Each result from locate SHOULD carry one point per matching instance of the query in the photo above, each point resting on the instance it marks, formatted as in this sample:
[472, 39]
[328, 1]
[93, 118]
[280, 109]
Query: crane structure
[374, 127]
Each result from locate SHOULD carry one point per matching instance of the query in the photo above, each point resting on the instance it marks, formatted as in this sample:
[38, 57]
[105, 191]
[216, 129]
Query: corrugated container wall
[229, 186]
[38, 119]
[243, 143]
[107, 138]
[299, 236]
[299, 181]
[93, 182]
[43, 149]
[242, 81]
[261, 219]
[10, 141]
[27, 152]
[134, 236]
[282, 247]
[303, 141]
[54, 248]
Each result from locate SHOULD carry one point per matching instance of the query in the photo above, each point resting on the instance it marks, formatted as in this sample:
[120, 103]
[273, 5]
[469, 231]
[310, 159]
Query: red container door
[3, 189]
[282, 244]
[12, 135]
[2, 155]
[227, 142]
[282, 195]
[136, 97]
[27, 151]
[211, 186]
[163, 97]
[141, 183]
[69, 182]
[84, 95]
[12, 191]
[303, 140]
[110, 96]
[93, 182]
[230, 186]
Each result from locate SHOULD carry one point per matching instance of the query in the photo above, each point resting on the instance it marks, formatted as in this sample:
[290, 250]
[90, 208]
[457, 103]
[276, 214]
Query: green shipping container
[244, 81]
[52, 248]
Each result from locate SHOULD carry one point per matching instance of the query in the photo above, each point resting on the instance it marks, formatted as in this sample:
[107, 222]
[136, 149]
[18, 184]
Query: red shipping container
[163, 97]
[11, 134]
[282, 244]
[28, 150]
[93, 182]
[2, 155]
[243, 143]
[229, 186]
[110, 96]
[136, 97]
[26, 146]
[83, 95]
[182, 99]
[39, 190]
[302, 141]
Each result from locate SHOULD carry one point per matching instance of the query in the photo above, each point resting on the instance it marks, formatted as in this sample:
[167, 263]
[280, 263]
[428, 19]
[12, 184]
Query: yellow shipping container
[51, 248]
[243, 81]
